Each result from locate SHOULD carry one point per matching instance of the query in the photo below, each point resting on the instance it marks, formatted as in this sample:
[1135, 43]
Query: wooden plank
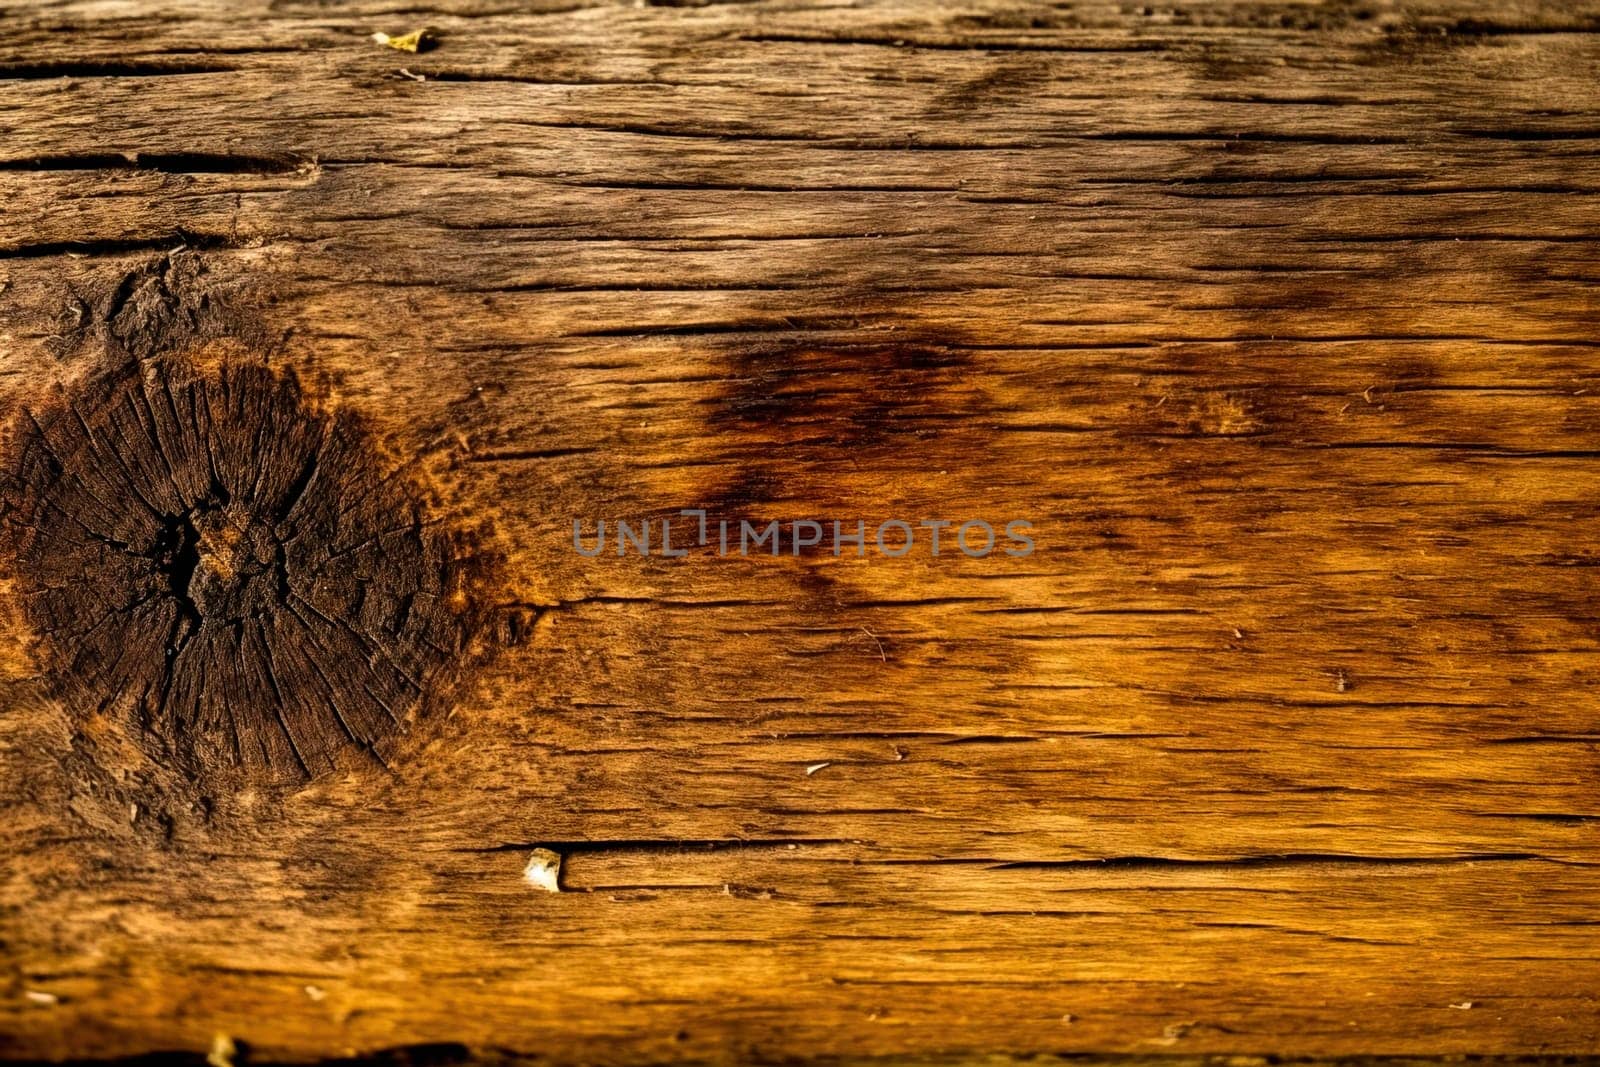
[1276, 322]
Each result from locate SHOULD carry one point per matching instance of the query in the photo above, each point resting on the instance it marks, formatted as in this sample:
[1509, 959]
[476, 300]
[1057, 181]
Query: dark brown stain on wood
[818, 400]
[212, 559]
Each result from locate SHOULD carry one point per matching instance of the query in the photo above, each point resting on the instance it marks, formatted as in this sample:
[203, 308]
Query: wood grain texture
[1277, 320]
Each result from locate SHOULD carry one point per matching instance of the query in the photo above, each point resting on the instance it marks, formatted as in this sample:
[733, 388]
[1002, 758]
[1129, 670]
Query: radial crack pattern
[228, 568]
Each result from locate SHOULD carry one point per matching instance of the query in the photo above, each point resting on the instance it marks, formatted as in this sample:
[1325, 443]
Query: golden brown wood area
[1276, 321]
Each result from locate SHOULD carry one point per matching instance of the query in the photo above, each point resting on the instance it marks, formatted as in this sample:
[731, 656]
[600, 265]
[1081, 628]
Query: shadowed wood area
[1276, 322]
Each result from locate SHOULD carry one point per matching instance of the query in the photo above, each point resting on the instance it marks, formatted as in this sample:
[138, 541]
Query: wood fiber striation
[230, 570]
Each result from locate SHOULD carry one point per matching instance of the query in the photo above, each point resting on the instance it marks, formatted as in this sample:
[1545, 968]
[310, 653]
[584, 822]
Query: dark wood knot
[229, 569]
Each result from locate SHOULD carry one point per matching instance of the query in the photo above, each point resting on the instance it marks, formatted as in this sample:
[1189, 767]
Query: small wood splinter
[418, 40]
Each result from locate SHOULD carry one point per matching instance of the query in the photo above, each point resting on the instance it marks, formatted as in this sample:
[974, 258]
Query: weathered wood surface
[1278, 321]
